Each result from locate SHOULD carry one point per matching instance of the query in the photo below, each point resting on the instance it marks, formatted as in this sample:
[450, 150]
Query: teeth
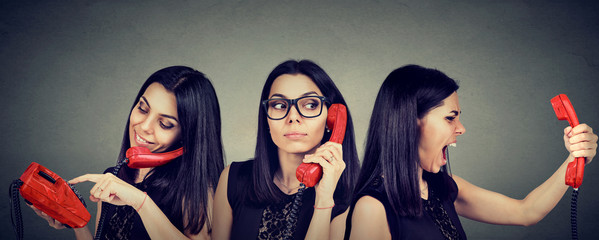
[140, 139]
[453, 145]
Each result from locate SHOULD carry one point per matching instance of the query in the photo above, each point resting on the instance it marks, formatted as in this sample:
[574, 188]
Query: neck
[288, 163]
[423, 185]
[141, 174]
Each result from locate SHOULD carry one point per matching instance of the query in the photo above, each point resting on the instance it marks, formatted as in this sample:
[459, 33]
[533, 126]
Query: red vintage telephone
[310, 173]
[564, 111]
[141, 157]
[49, 193]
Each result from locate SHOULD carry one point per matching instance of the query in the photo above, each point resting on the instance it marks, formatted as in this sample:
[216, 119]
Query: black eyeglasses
[307, 106]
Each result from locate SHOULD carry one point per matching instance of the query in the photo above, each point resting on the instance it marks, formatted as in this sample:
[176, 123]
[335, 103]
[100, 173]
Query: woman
[176, 107]
[404, 191]
[255, 199]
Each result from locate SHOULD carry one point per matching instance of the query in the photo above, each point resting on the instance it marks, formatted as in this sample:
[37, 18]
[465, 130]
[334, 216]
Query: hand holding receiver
[329, 159]
[310, 173]
[565, 111]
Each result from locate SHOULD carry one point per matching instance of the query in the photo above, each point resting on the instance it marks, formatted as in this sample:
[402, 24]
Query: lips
[295, 135]
[141, 141]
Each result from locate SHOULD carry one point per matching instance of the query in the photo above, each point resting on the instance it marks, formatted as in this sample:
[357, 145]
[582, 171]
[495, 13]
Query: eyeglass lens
[307, 107]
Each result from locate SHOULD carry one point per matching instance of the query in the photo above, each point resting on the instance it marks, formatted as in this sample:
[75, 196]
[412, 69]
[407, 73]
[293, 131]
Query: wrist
[327, 203]
[141, 202]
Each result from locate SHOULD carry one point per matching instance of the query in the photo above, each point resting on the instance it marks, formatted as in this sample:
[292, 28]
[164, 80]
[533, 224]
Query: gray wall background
[70, 71]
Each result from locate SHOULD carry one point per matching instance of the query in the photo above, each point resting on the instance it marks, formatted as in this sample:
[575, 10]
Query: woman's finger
[86, 178]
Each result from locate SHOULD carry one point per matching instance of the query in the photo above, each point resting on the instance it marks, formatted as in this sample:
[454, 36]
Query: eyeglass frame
[293, 102]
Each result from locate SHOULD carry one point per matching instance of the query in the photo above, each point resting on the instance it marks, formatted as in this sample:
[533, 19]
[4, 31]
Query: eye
[140, 107]
[450, 118]
[278, 104]
[166, 126]
[311, 105]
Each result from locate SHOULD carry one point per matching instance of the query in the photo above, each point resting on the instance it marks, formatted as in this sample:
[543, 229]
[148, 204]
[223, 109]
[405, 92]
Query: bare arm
[330, 157]
[486, 206]
[223, 214]
[111, 189]
[369, 220]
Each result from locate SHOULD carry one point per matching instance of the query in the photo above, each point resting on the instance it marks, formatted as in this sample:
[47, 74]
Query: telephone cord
[105, 205]
[294, 213]
[573, 206]
[15, 208]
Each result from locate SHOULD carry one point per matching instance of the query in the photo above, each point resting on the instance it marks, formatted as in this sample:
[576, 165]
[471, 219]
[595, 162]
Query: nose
[146, 125]
[293, 115]
[460, 129]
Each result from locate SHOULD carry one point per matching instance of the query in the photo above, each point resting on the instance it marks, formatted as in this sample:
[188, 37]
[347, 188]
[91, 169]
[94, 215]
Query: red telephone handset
[52, 195]
[310, 173]
[141, 157]
[564, 111]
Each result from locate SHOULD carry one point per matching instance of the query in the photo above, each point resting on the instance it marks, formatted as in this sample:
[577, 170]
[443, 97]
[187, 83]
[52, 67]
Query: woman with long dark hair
[404, 190]
[258, 199]
[176, 107]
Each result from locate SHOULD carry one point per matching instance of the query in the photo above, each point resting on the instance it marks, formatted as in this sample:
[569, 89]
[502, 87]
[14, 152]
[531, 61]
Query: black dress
[267, 221]
[439, 219]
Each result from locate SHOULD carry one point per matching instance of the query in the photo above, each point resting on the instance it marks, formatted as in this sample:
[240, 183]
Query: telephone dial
[49, 193]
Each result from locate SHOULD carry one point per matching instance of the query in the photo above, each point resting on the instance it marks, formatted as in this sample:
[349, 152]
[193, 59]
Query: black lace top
[438, 221]
[268, 222]
[274, 220]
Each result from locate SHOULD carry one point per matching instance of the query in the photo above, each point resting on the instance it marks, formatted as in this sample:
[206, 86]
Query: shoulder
[369, 206]
[239, 169]
[235, 179]
[369, 219]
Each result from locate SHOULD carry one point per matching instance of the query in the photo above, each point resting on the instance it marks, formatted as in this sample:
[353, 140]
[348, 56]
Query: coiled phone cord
[15, 207]
[573, 221]
[106, 205]
[294, 214]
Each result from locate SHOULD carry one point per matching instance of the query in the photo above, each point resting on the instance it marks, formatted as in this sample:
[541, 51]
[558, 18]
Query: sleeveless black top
[267, 221]
[439, 219]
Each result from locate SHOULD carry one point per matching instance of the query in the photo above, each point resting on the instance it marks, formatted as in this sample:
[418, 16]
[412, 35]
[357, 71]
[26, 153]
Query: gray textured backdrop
[70, 71]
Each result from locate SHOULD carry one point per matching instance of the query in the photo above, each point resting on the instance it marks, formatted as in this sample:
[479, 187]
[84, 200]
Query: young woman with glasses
[256, 199]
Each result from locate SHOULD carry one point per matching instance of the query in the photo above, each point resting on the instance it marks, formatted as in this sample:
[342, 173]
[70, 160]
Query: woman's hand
[51, 221]
[111, 189]
[330, 158]
[580, 141]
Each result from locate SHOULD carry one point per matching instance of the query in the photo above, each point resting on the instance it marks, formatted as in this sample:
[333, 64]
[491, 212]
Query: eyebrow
[455, 112]
[163, 115]
[303, 95]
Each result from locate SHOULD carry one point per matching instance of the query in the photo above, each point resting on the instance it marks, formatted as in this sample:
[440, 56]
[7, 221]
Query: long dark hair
[266, 158]
[407, 95]
[184, 183]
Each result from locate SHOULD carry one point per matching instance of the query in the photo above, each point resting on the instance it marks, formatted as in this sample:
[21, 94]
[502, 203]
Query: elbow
[530, 223]
[531, 220]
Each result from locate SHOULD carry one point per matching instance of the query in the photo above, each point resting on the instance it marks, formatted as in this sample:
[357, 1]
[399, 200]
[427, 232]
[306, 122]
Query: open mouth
[445, 150]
